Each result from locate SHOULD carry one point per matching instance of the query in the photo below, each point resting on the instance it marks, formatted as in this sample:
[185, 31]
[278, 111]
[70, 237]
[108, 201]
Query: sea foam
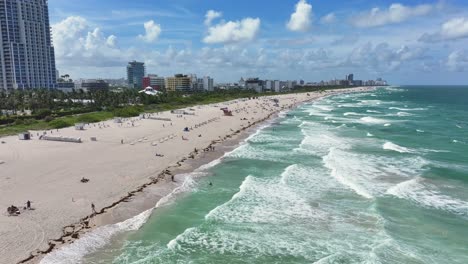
[408, 109]
[372, 120]
[427, 195]
[370, 175]
[397, 148]
[89, 242]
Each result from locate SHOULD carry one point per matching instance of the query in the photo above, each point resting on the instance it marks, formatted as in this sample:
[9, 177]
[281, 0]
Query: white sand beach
[123, 158]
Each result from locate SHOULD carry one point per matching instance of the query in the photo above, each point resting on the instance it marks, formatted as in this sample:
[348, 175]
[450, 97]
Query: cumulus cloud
[457, 60]
[301, 18]
[396, 13]
[383, 57]
[77, 43]
[456, 28]
[152, 32]
[233, 31]
[210, 16]
[328, 19]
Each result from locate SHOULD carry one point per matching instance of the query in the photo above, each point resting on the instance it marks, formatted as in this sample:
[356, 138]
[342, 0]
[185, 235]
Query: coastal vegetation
[42, 109]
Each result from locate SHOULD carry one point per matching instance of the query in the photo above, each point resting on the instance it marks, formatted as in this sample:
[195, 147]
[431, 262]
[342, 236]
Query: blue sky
[405, 42]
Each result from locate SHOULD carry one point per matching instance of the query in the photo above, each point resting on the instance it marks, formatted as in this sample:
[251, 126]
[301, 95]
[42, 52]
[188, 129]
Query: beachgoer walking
[28, 204]
[93, 208]
[172, 178]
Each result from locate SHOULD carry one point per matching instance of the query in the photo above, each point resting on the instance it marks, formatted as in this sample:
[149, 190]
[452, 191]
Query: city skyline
[405, 43]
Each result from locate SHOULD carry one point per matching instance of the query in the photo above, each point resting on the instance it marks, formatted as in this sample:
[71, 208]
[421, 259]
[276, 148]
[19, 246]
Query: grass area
[60, 122]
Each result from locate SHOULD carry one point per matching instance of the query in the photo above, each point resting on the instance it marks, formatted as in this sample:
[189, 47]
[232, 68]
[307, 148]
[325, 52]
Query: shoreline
[104, 216]
[147, 195]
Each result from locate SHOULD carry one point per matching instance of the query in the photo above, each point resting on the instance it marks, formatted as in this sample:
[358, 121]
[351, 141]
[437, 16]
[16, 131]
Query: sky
[405, 42]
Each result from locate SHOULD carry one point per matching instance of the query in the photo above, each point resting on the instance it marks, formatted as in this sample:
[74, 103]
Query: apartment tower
[26, 51]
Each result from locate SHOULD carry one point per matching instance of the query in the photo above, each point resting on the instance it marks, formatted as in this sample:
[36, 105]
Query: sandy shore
[125, 175]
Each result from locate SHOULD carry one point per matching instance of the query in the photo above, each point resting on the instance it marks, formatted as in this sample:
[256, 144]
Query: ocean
[376, 177]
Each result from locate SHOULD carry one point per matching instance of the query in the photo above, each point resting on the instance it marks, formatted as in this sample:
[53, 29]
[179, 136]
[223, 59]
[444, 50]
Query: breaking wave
[397, 148]
[427, 195]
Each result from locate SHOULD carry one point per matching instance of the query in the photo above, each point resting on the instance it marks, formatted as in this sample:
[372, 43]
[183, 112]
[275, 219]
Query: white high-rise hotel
[26, 52]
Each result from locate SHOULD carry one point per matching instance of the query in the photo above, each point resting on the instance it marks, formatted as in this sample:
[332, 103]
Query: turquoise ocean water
[379, 177]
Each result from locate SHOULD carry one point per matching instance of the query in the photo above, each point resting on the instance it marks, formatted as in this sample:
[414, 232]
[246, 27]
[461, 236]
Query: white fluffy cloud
[457, 60]
[396, 13]
[152, 32]
[233, 31]
[301, 19]
[456, 28]
[210, 16]
[77, 43]
[328, 19]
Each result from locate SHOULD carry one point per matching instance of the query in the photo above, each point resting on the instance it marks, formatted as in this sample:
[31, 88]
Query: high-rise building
[277, 86]
[94, 85]
[26, 52]
[195, 83]
[179, 82]
[208, 84]
[135, 74]
[269, 85]
[254, 84]
[154, 81]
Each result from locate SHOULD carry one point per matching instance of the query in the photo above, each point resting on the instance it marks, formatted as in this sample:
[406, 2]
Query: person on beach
[172, 178]
[28, 205]
[93, 208]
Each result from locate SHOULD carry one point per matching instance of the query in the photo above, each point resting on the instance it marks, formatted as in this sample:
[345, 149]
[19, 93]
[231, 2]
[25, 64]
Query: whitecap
[428, 195]
[369, 134]
[372, 120]
[419, 131]
[319, 141]
[397, 148]
[370, 102]
[262, 201]
[408, 109]
[404, 114]
[330, 163]
[258, 131]
[387, 125]
[370, 175]
[394, 89]
[373, 111]
[323, 107]
[351, 113]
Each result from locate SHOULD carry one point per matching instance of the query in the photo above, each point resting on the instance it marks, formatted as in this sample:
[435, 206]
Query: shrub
[48, 119]
[129, 111]
[59, 123]
[88, 118]
[42, 113]
[18, 122]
